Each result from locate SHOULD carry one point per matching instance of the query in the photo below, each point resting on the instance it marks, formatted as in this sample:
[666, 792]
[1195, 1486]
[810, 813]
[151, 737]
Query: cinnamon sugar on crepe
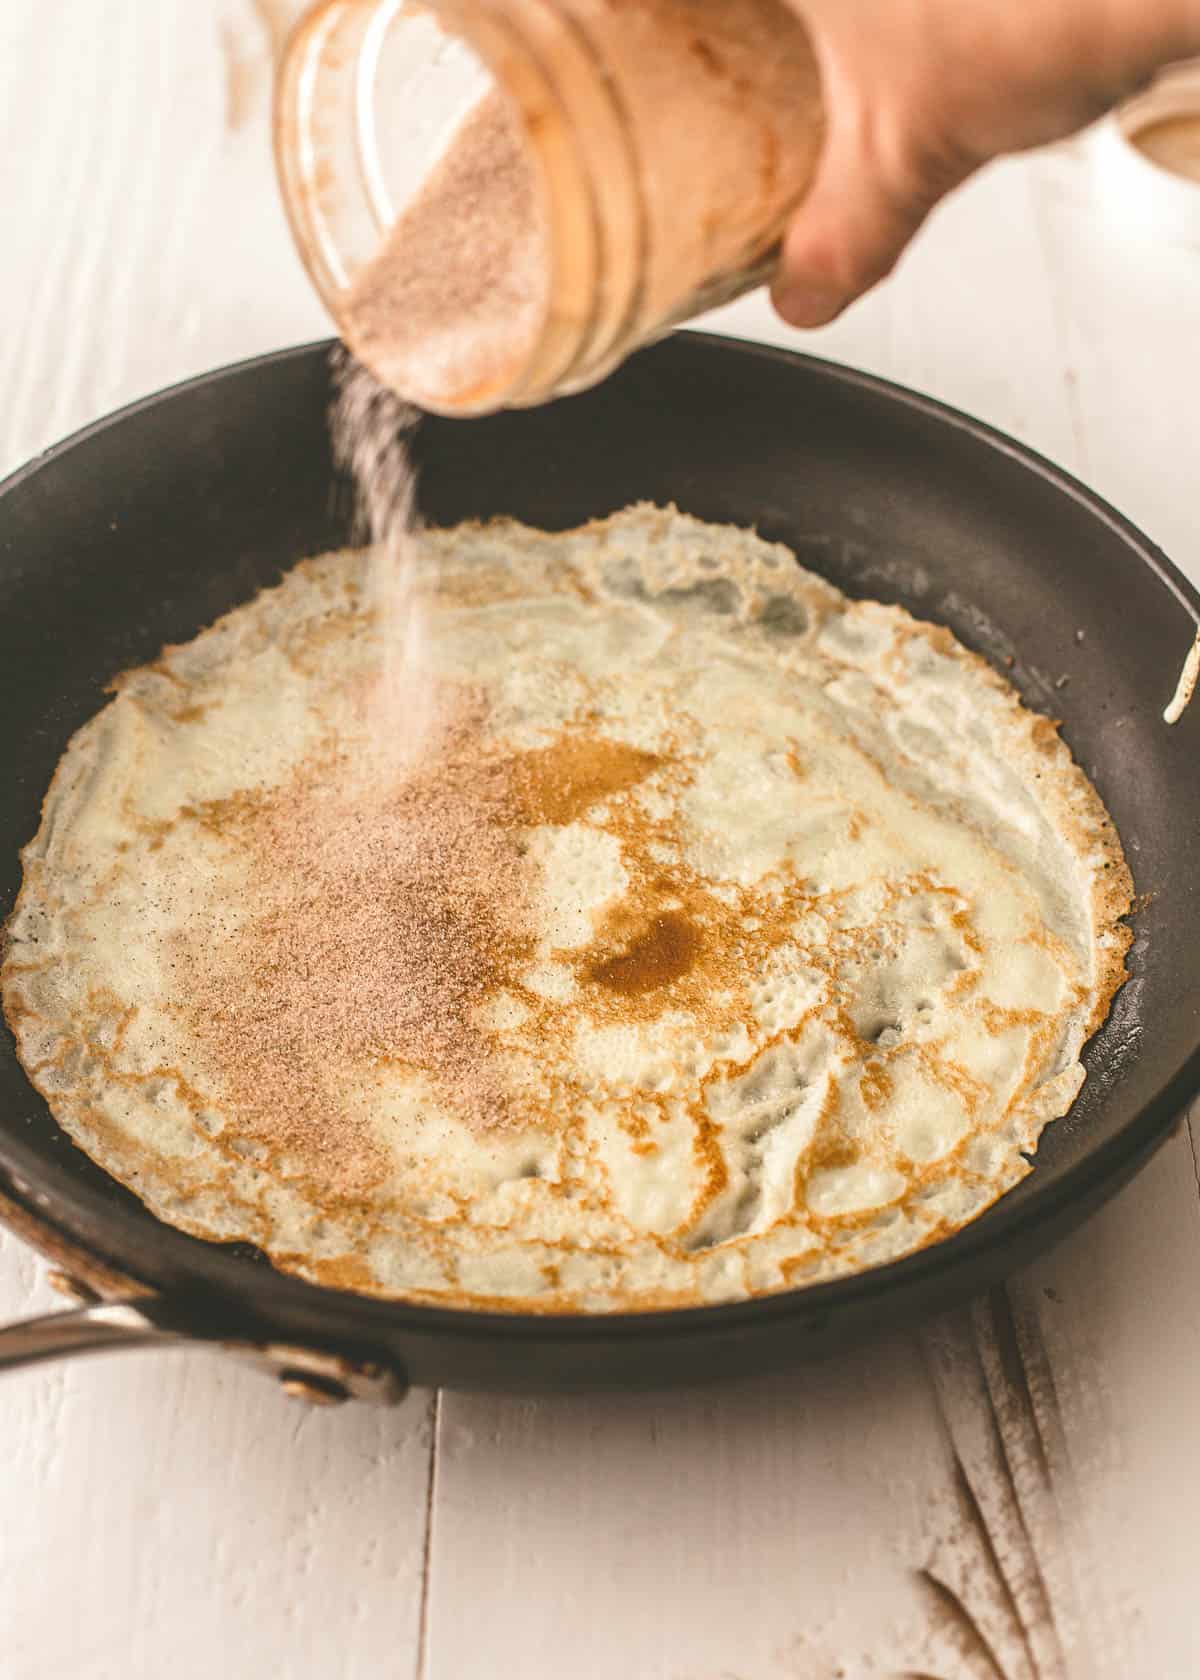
[386, 914]
[811, 924]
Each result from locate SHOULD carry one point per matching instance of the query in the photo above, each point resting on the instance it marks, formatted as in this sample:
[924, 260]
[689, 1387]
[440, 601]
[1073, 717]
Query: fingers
[920, 93]
[854, 226]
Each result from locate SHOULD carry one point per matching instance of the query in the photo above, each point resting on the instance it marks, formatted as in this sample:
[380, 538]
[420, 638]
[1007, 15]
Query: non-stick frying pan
[147, 526]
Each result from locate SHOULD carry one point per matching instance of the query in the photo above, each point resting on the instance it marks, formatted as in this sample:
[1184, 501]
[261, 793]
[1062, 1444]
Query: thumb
[852, 229]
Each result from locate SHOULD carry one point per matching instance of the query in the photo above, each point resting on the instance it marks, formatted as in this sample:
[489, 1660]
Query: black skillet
[147, 526]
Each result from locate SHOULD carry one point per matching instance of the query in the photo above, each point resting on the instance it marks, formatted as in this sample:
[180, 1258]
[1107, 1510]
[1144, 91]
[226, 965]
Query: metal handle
[312, 1374]
[91, 1329]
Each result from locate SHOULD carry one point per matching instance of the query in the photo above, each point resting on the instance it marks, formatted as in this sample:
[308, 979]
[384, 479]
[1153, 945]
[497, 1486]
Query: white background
[1009, 1493]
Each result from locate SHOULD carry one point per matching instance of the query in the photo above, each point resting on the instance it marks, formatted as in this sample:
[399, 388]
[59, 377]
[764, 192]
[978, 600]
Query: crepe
[712, 934]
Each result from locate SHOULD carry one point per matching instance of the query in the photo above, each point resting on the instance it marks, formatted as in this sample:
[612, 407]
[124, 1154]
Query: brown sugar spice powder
[453, 301]
[388, 915]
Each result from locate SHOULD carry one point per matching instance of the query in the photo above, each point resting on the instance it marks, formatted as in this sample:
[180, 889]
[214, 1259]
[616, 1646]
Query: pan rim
[86, 1216]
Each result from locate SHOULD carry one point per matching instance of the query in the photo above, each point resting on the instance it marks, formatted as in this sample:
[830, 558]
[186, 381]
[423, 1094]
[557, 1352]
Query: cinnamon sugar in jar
[500, 199]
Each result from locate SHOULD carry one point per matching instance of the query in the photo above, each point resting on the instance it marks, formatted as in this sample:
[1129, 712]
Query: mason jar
[668, 143]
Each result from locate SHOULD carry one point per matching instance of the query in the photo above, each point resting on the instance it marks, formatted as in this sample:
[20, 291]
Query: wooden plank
[1130, 309]
[768, 1528]
[145, 241]
[1115, 1313]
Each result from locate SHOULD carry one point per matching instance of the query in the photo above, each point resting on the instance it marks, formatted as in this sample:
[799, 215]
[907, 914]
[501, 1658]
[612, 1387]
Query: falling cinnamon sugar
[370, 429]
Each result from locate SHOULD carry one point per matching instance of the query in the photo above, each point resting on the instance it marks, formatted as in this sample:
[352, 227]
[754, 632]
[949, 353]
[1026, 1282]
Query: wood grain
[1007, 1494]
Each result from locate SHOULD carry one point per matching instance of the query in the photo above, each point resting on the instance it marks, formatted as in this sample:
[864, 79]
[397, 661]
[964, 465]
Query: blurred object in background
[1148, 154]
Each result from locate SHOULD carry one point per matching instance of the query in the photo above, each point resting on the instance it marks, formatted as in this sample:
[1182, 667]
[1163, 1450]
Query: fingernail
[808, 306]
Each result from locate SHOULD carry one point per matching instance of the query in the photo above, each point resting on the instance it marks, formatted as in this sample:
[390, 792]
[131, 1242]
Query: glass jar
[668, 142]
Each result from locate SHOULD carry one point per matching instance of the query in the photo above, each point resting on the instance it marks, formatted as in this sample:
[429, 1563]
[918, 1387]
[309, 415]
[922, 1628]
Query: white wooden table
[1010, 1493]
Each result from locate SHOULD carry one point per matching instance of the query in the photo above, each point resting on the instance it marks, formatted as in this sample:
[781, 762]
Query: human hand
[920, 94]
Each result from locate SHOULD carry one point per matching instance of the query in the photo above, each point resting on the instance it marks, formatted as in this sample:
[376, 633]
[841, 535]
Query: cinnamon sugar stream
[388, 873]
[370, 429]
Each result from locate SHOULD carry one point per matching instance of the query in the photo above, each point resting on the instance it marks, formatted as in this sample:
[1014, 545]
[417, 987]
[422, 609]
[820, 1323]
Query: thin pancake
[723, 935]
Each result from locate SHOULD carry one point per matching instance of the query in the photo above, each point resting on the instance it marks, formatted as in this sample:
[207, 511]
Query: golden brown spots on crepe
[560, 783]
[665, 951]
[876, 1085]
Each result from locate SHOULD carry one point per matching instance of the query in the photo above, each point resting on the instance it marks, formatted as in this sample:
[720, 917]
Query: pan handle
[304, 1373]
